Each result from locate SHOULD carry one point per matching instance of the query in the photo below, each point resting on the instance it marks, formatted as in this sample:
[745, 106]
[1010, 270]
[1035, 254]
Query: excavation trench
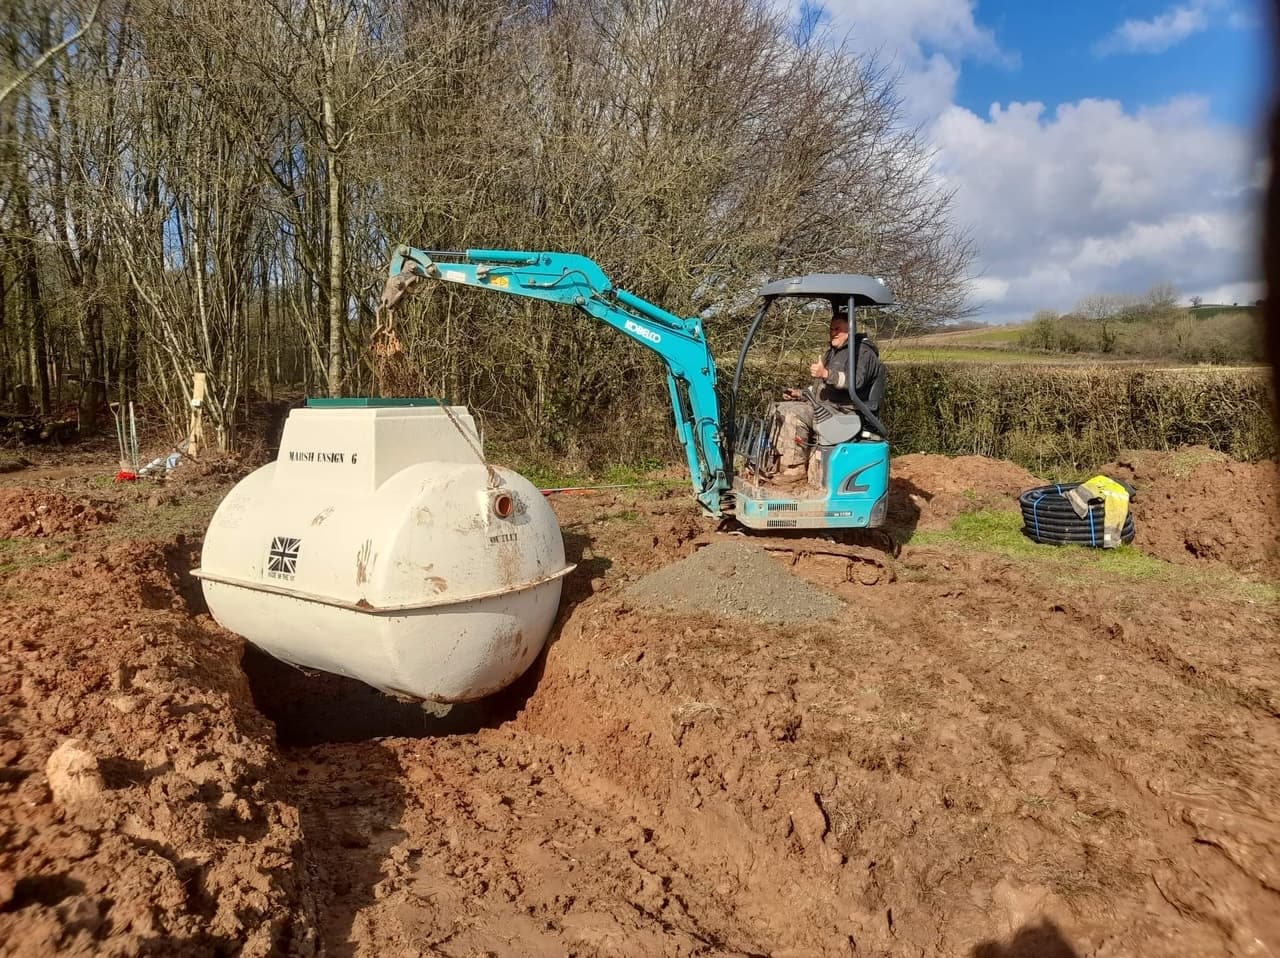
[319, 708]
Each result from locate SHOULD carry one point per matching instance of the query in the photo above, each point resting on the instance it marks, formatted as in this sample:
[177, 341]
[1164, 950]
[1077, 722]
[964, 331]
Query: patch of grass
[988, 529]
[980, 336]
[1184, 462]
[546, 475]
[1073, 884]
[629, 472]
[626, 515]
[1000, 334]
[992, 530]
[188, 516]
[906, 724]
[16, 554]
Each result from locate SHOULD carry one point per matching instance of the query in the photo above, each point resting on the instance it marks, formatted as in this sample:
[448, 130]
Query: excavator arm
[577, 281]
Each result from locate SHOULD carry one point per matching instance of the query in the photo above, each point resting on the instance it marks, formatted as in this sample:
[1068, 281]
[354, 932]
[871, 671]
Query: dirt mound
[136, 789]
[217, 468]
[928, 491]
[121, 578]
[35, 513]
[1195, 506]
[734, 580]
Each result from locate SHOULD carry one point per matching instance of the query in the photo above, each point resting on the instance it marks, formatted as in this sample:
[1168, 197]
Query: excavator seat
[875, 395]
[832, 427]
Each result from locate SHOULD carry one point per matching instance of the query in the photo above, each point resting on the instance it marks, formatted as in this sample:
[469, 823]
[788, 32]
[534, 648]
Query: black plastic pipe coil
[1047, 517]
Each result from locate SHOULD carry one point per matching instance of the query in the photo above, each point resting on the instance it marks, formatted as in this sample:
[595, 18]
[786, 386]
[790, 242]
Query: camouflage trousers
[792, 445]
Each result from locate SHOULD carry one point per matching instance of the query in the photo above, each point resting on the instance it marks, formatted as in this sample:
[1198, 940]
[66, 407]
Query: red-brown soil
[1197, 506]
[980, 758]
[933, 490]
[138, 814]
[35, 513]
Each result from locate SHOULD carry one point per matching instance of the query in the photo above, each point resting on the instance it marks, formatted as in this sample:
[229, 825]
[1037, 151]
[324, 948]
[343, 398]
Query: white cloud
[928, 87]
[1156, 242]
[924, 40]
[1092, 198]
[905, 26]
[1243, 20]
[988, 289]
[1174, 25]
[1086, 198]
[1160, 32]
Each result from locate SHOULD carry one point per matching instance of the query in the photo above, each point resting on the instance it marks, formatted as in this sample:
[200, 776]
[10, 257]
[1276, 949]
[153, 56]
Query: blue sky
[1094, 146]
[1069, 50]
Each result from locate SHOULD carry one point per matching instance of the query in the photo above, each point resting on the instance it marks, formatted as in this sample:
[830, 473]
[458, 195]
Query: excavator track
[865, 564]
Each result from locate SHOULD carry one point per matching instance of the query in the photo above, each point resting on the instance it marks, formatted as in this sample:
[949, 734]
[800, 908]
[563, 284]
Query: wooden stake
[195, 435]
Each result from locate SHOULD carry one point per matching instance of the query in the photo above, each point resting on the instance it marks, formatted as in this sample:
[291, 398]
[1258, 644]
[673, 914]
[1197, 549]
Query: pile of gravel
[735, 580]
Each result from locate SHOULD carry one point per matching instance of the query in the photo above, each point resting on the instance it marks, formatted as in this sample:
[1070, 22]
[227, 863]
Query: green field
[986, 336]
[893, 352]
[996, 344]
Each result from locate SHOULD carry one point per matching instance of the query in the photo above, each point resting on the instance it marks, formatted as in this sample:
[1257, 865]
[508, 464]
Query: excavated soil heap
[1195, 506]
[34, 513]
[928, 492]
[734, 580]
[137, 813]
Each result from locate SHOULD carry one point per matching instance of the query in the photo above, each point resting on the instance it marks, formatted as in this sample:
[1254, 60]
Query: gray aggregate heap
[735, 580]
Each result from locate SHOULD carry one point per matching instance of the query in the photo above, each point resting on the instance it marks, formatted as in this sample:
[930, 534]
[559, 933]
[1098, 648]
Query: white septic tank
[380, 545]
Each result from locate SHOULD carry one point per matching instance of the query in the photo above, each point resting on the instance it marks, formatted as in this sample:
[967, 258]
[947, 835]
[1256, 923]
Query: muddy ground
[995, 754]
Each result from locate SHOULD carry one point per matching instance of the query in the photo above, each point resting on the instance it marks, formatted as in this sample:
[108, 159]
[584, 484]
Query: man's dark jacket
[836, 362]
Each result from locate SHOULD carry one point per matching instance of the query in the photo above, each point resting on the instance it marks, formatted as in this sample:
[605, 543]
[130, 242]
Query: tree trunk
[37, 336]
[93, 386]
[337, 260]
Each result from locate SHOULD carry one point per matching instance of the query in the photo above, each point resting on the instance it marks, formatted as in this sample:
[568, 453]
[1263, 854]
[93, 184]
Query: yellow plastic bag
[1115, 506]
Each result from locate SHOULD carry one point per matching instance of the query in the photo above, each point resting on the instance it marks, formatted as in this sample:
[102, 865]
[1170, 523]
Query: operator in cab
[831, 372]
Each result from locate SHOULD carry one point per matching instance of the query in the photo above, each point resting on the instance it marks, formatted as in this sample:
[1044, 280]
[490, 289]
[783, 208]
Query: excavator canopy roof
[865, 290]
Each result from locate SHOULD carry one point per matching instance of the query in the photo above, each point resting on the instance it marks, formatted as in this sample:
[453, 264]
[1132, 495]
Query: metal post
[133, 436]
[853, 348]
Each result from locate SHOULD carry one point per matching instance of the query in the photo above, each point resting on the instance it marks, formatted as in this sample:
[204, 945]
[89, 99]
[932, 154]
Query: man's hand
[792, 394]
[818, 371]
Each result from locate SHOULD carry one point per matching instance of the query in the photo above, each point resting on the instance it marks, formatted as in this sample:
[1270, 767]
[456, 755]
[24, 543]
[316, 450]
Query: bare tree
[1162, 297]
[24, 73]
[177, 196]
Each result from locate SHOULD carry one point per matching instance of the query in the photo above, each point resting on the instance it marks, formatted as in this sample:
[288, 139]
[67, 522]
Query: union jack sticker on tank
[282, 557]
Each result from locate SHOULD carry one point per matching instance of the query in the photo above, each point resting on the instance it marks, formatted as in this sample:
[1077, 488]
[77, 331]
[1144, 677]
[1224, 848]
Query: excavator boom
[577, 281]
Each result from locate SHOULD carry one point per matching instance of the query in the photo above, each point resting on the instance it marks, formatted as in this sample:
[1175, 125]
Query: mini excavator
[727, 453]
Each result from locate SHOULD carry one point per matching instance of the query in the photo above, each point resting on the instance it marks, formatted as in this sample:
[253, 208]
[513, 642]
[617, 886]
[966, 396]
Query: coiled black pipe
[1047, 517]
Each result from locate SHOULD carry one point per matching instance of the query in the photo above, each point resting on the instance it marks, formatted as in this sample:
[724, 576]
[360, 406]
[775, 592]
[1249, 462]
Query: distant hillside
[1204, 334]
[1209, 310]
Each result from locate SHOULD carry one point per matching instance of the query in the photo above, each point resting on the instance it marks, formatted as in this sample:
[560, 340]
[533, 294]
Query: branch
[49, 54]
